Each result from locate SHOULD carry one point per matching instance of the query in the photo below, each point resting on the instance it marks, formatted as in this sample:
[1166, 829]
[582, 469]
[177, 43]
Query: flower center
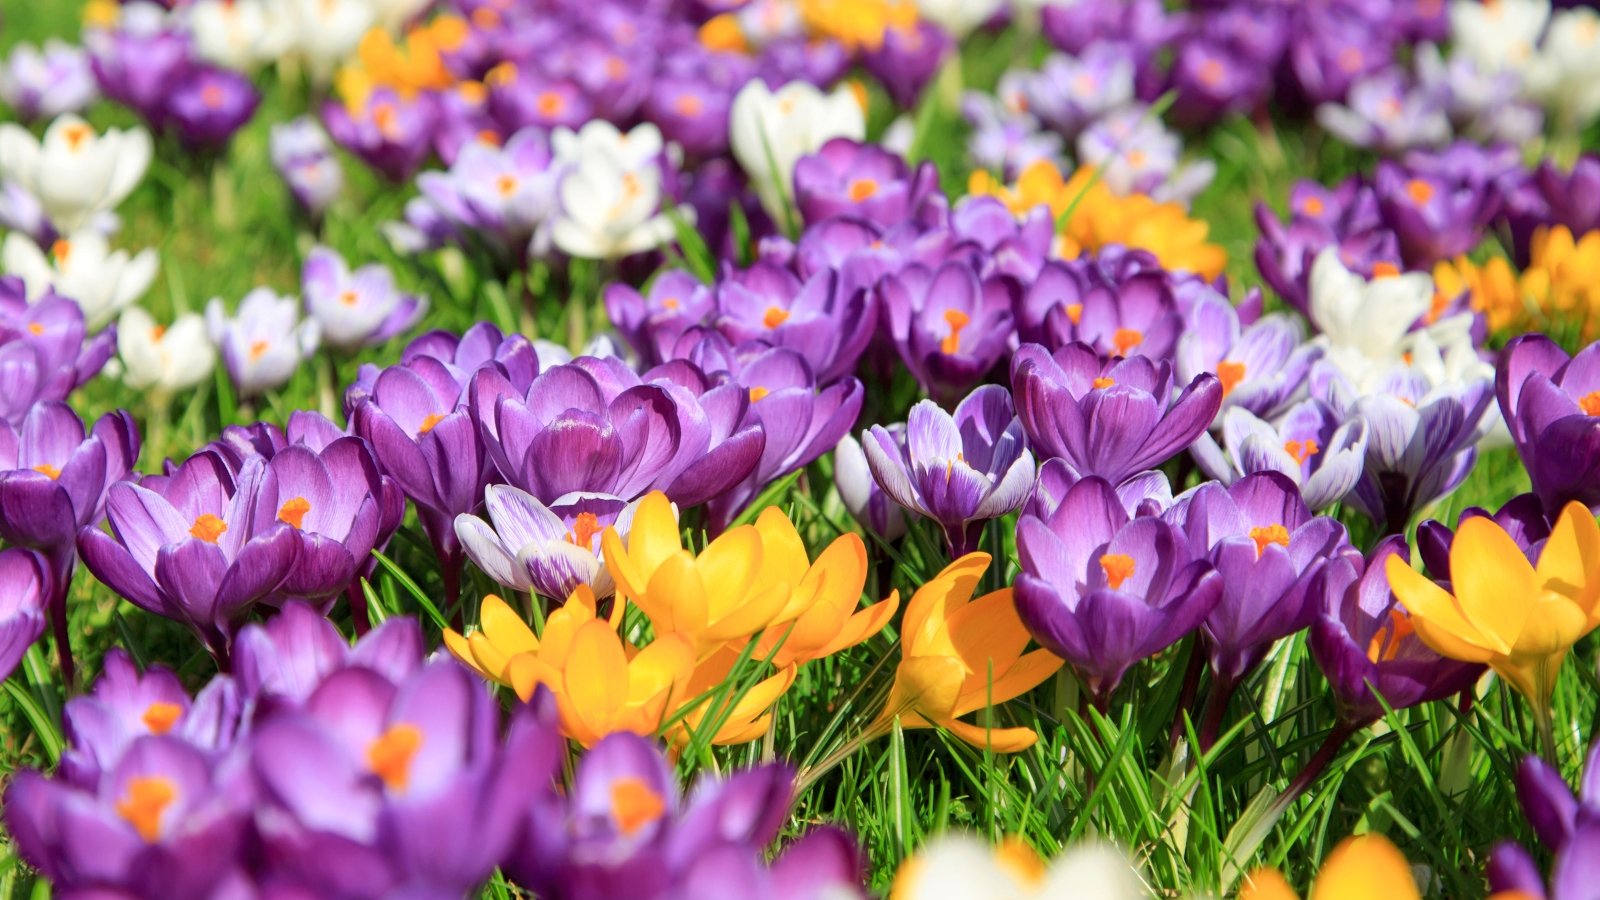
[1350, 59]
[634, 805]
[671, 304]
[1386, 640]
[1118, 568]
[211, 96]
[428, 423]
[160, 717]
[1419, 191]
[61, 250]
[616, 68]
[208, 528]
[862, 189]
[1075, 313]
[148, 797]
[1126, 339]
[688, 105]
[259, 349]
[506, 185]
[584, 528]
[35, 328]
[48, 471]
[775, 316]
[1384, 270]
[1269, 534]
[1313, 206]
[758, 393]
[1211, 73]
[349, 297]
[957, 320]
[1300, 451]
[1230, 373]
[550, 103]
[1104, 382]
[1590, 403]
[473, 92]
[384, 116]
[157, 332]
[1137, 158]
[390, 755]
[293, 512]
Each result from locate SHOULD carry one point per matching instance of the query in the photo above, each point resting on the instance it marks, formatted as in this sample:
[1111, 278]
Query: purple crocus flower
[282, 661]
[208, 105]
[1421, 443]
[847, 177]
[302, 155]
[1363, 641]
[691, 113]
[24, 590]
[505, 195]
[1345, 217]
[1388, 114]
[201, 548]
[1103, 589]
[1262, 367]
[949, 326]
[140, 61]
[801, 421]
[1117, 314]
[1006, 140]
[410, 782]
[1110, 419]
[521, 99]
[624, 828]
[1071, 93]
[1135, 154]
[1564, 822]
[1331, 48]
[389, 133]
[1317, 449]
[43, 354]
[873, 509]
[1143, 26]
[166, 820]
[1551, 403]
[356, 308]
[264, 343]
[1267, 548]
[907, 60]
[1213, 79]
[815, 318]
[127, 705]
[960, 469]
[1555, 197]
[1434, 217]
[548, 550]
[651, 323]
[42, 83]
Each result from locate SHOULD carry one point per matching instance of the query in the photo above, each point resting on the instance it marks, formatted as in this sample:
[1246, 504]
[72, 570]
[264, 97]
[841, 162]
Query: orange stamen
[1419, 191]
[160, 717]
[1300, 451]
[775, 316]
[148, 797]
[293, 512]
[1385, 644]
[584, 528]
[1126, 339]
[1118, 568]
[208, 528]
[48, 471]
[1104, 381]
[1270, 534]
[1230, 373]
[862, 189]
[1590, 403]
[390, 755]
[428, 423]
[634, 805]
[957, 320]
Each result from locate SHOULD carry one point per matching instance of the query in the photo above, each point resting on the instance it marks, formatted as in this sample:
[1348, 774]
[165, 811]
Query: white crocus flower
[598, 138]
[1498, 36]
[327, 32]
[1564, 75]
[608, 212]
[959, 17]
[769, 132]
[1364, 324]
[82, 266]
[392, 15]
[163, 359]
[75, 173]
[264, 342]
[240, 34]
[961, 866]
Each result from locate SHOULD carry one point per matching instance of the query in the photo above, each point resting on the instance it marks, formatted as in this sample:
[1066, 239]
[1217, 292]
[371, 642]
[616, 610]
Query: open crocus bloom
[75, 172]
[962, 654]
[1360, 868]
[1518, 618]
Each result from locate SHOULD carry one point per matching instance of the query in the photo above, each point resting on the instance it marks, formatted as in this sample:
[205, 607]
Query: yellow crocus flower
[1519, 619]
[858, 24]
[712, 599]
[1099, 217]
[749, 716]
[600, 682]
[1492, 289]
[960, 655]
[1362, 867]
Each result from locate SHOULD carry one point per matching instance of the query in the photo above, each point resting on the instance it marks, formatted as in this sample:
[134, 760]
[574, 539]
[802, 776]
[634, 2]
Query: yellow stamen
[428, 423]
[1385, 644]
[389, 757]
[48, 471]
[148, 797]
[957, 320]
[775, 316]
[1300, 451]
[293, 511]
[35, 328]
[758, 393]
[1075, 313]
[1270, 534]
[1126, 339]
[584, 528]
[1118, 568]
[1230, 373]
[160, 717]
[862, 189]
[634, 805]
[1590, 403]
[208, 528]
[1104, 382]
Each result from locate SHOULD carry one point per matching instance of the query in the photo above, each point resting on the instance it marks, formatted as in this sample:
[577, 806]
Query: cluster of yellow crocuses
[1561, 283]
[753, 593]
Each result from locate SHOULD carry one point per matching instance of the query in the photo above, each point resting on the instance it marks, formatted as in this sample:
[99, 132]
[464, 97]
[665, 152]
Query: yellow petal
[988, 632]
[596, 676]
[526, 672]
[948, 590]
[1436, 617]
[676, 598]
[1569, 564]
[559, 628]
[489, 659]
[1494, 586]
[653, 536]
[749, 617]
[928, 684]
[461, 649]
[1533, 676]
[505, 629]
[663, 666]
[728, 568]
[862, 625]
[631, 580]
[1000, 740]
[1028, 673]
[783, 554]
[835, 580]
[1267, 884]
[1365, 867]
